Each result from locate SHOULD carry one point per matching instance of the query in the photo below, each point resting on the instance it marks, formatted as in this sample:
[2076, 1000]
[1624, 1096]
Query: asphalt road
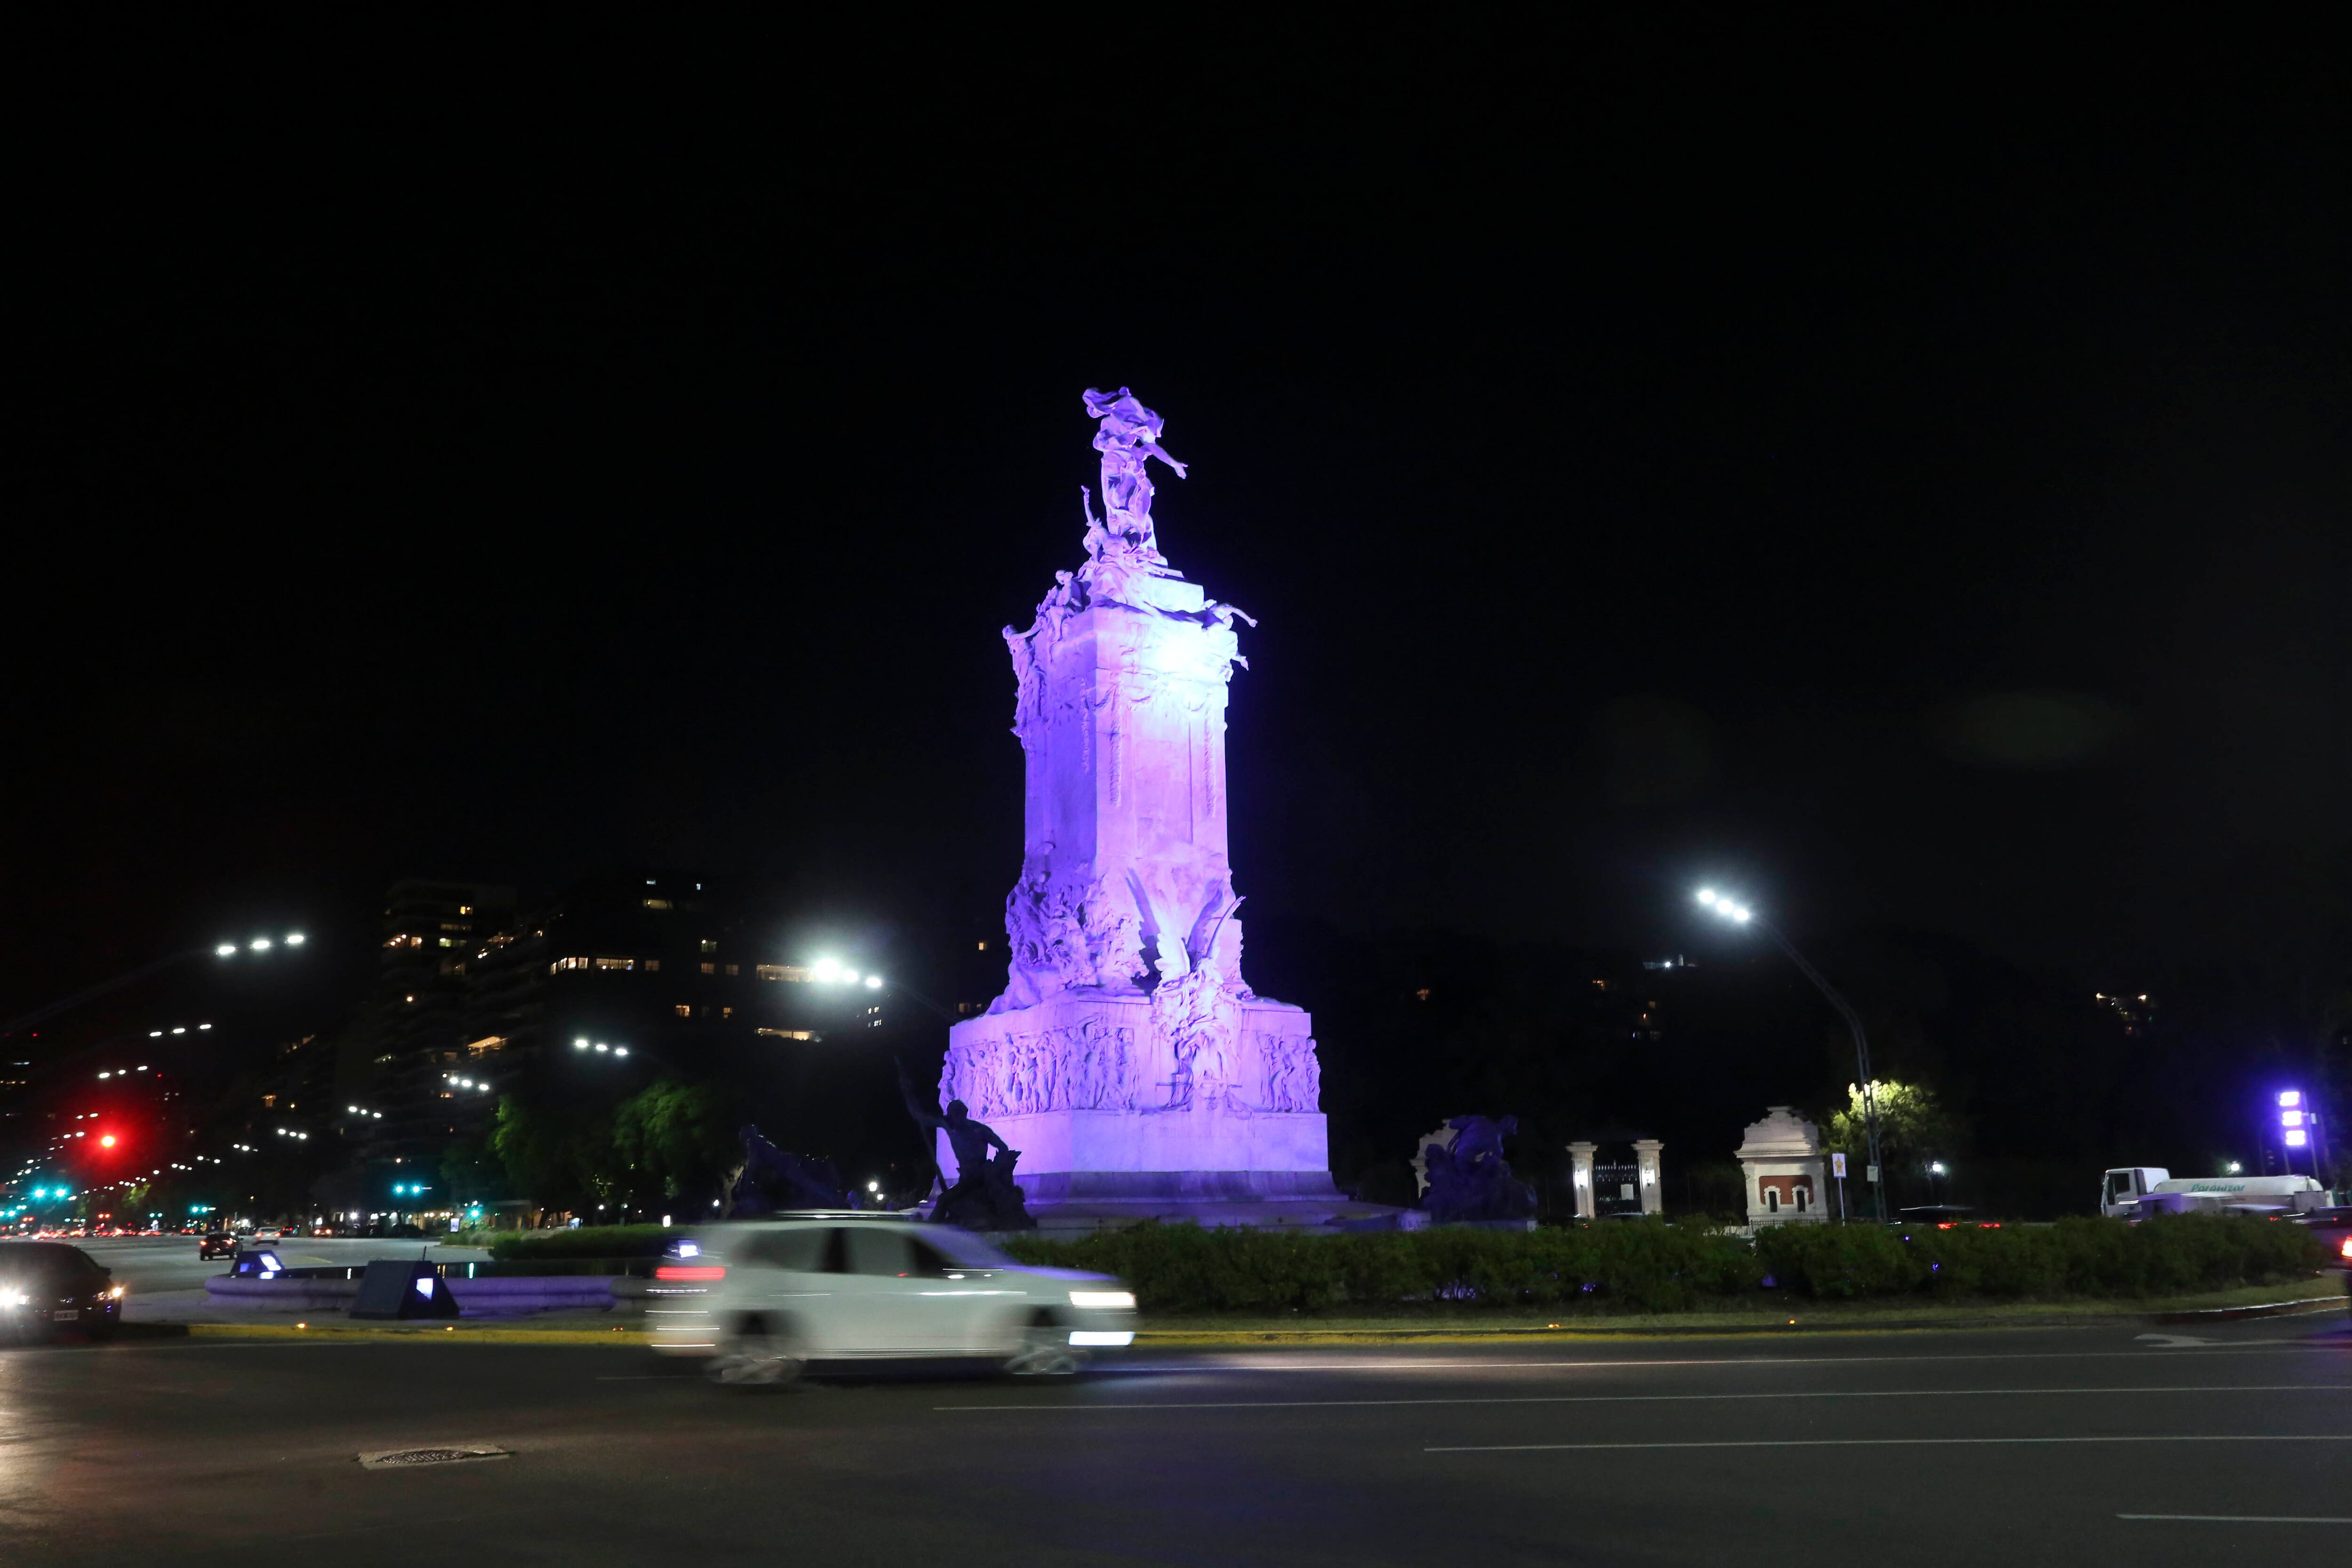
[2034, 1447]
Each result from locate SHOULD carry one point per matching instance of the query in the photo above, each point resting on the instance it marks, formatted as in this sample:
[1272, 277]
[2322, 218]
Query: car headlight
[115, 1294]
[1107, 1299]
[13, 1298]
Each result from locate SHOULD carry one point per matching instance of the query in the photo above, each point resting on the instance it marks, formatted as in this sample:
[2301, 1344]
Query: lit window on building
[727, 1012]
[734, 969]
[710, 969]
[560, 964]
[653, 966]
[616, 964]
[789, 1034]
[780, 972]
[683, 1010]
[657, 903]
[710, 944]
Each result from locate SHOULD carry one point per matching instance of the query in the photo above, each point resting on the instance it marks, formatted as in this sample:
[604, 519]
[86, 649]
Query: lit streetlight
[91, 994]
[830, 971]
[1738, 914]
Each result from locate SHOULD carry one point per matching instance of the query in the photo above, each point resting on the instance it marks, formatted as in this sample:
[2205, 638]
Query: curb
[430, 1333]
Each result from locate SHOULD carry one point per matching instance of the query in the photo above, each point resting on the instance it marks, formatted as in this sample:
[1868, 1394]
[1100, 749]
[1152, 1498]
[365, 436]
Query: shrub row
[1183, 1268]
[588, 1241]
[2079, 1257]
[1651, 1266]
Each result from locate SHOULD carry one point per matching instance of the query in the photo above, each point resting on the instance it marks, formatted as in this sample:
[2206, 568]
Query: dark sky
[1902, 470]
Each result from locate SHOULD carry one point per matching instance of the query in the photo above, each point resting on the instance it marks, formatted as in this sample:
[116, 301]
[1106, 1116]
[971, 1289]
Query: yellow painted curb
[437, 1333]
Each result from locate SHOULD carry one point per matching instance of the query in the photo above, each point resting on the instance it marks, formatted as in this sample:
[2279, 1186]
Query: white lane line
[1230, 1362]
[2235, 1518]
[1657, 1398]
[1880, 1443]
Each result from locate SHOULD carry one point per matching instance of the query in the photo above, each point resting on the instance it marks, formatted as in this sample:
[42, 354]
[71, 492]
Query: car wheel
[100, 1329]
[757, 1357]
[1046, 1352]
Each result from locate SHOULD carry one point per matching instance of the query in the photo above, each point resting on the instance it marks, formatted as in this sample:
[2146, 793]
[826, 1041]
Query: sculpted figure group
[1096, 1067]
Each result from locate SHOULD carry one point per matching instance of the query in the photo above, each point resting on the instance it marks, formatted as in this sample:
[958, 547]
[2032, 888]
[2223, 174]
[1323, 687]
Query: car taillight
[688, 1271]
[2346, 1249]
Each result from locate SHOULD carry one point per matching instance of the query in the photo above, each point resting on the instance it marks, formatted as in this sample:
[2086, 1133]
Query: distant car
[218, 1244]
[2333, 1227]
[48, 1285]
[268, 1233]
[762, 1300]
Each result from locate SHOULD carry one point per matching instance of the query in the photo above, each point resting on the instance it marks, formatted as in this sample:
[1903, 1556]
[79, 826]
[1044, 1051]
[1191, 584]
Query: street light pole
[1740, 915]
[92, 993]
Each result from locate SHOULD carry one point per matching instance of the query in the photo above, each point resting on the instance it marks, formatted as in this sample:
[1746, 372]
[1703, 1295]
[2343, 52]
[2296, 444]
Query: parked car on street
[763, 1301]
[46, 1286]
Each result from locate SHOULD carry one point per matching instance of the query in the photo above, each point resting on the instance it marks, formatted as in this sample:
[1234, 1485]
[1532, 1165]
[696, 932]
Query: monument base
[1074, 1202]
[1115, 1125]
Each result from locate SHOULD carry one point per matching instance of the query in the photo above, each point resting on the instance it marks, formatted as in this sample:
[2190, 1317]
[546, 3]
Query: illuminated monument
[1128, 1060]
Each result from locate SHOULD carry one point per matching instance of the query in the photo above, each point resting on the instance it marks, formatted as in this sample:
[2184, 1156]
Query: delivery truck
[2137, 1191]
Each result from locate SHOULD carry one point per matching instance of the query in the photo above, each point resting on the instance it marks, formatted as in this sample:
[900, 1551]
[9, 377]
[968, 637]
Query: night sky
[1902, 472]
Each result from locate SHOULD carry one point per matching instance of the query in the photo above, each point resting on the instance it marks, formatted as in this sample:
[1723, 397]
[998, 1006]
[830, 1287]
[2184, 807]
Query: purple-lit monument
[1128, 1060]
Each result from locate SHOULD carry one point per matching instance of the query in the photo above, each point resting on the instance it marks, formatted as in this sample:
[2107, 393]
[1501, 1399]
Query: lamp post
[826, 971]
[91, 994]
[1740, 915]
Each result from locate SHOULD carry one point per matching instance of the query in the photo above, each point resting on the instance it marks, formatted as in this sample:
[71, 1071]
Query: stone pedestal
[1580, 1159]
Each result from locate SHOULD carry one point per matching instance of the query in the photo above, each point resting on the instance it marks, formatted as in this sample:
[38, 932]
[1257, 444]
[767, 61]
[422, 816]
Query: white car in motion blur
[763, 1299]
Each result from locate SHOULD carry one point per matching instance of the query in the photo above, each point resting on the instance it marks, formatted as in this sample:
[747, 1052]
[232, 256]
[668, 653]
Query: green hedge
[588, 1241]
[2079, 1257]
[1651, 1266]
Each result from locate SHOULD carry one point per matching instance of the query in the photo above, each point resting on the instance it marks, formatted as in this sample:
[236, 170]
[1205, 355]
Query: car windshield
[962, 1246]
[43, 1261]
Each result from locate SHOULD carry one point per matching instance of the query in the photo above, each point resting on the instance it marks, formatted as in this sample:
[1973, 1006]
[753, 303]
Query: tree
[681, 1135]
[560, 1157]
[1912, 1123]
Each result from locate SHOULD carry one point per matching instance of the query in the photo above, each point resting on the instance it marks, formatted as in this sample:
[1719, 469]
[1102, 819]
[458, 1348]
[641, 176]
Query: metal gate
[1616, 1187]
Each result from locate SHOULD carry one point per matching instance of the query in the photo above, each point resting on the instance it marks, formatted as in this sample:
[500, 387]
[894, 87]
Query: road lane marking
[1879, 1443]
[1288, 1362]
[1657, 1398]
[2235, 1518]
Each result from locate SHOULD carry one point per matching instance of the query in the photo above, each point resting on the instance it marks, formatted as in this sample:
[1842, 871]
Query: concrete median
[506, 1295]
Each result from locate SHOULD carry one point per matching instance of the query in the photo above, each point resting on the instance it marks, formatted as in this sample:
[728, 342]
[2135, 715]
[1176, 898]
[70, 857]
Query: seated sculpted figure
[1471, 1180]
[770, 1179]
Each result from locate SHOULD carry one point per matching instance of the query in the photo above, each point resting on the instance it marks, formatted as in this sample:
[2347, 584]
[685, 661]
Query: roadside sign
[1873, 1173]
[1837, 1166]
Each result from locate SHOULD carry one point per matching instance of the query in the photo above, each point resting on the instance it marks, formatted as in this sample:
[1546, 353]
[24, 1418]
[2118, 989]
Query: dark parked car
[217, 1244]
[46, 1285]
